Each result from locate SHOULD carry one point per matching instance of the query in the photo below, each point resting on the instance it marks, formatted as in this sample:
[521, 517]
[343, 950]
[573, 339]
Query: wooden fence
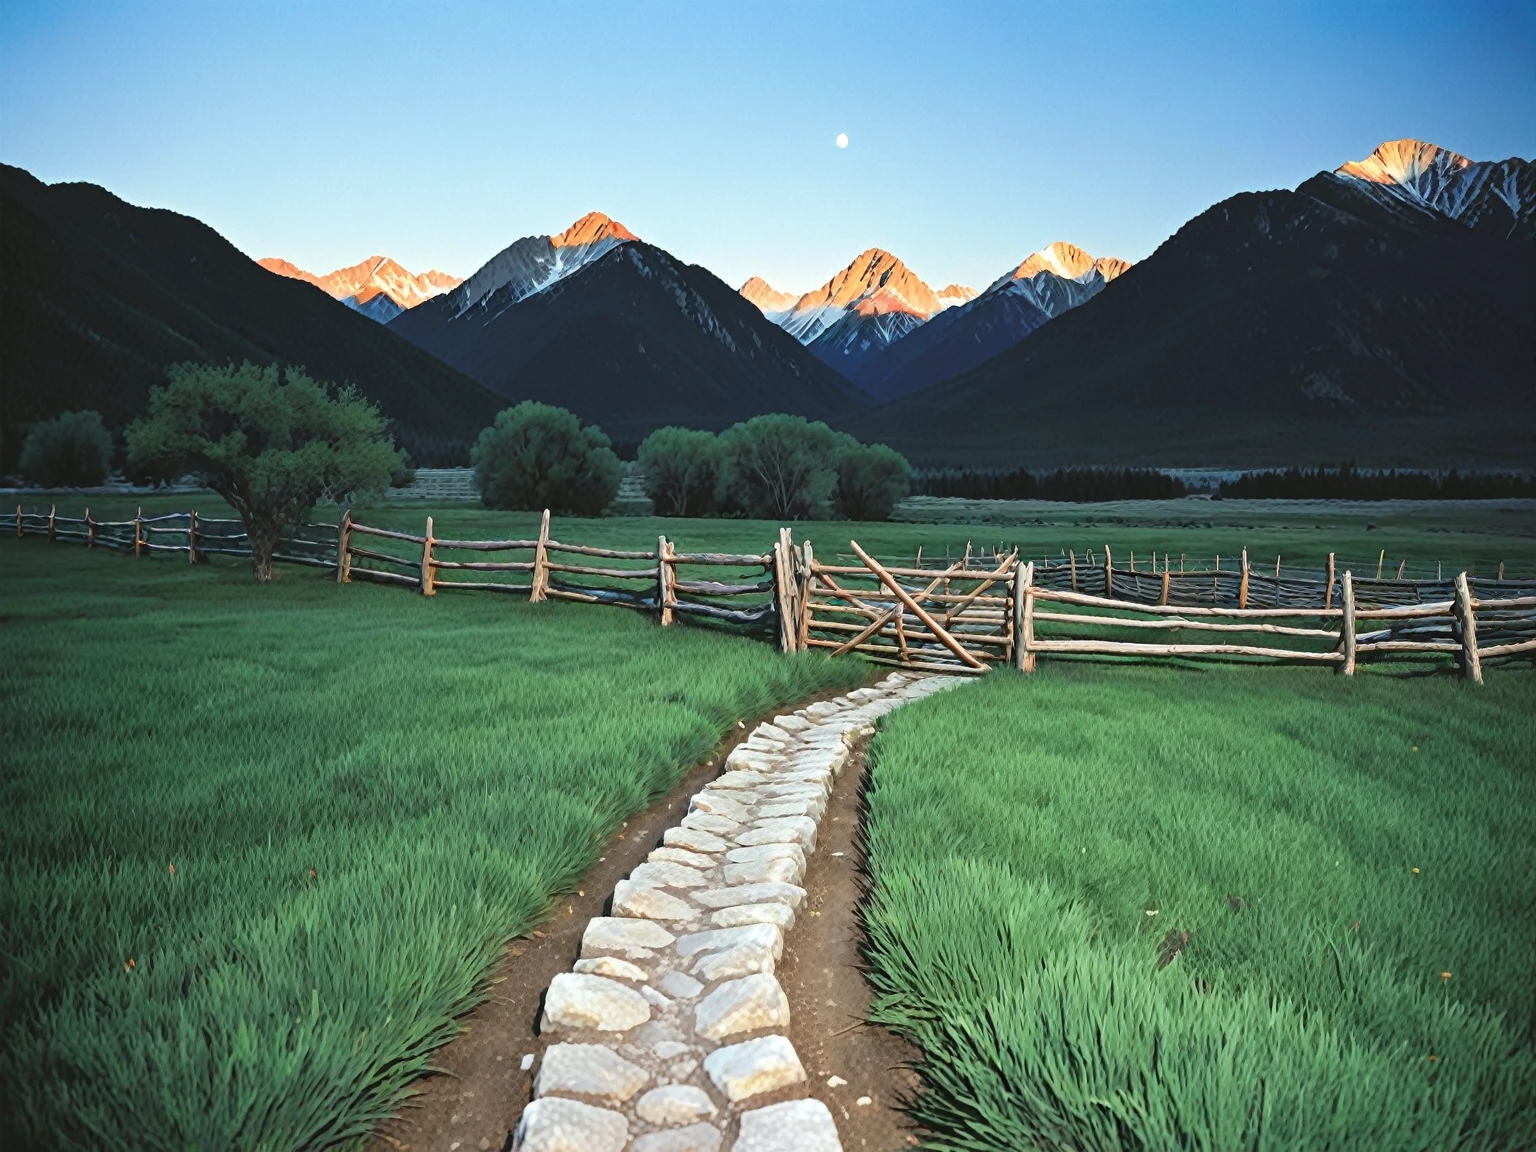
[967, 614]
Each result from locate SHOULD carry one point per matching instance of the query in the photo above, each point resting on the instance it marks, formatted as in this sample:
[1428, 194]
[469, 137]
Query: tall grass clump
[1142, 908]
[262, 843]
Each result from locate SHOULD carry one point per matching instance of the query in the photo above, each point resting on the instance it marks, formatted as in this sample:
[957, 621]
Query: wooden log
[1025, 645]
[138, 533]
[1347, 624]
[368, 530]
[1127, 648]
[1506, 649]
[1242, 583]
[609, 573]
[1497, 603]
[482, 585]
[726, 559]
[1175, 624]
[717, 588]
[1380, 560]
[52, 531]
[1471, 661]
[386, 558]
[1072, 559]
[884, 618]
[1328, 584]
[1408, 646]
[1163, 599]
[1407, 611]
[427, 588]
[1087, 601]
[343, 554]
[484, 545]
[385, 577]
[663, 592]
[803, 617]
[483, 565]
[19, 531]
[915, 633]
[607, 553]
[1404, 564]
[1109, 574]
[914, 573]
[781, 595]
[965, 601]
[192, 538]
[880, 594]
[1499, 578]
[730, 615]
[917, 609]
[540, 562]
[956, 669]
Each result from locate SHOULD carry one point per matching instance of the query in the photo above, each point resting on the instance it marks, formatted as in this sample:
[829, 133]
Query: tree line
[1347, 482]
[1076, 485]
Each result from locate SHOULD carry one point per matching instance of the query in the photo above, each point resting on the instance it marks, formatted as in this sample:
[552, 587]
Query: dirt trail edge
[479, 1100]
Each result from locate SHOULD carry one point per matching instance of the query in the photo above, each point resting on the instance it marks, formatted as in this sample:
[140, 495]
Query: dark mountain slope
[97, 296]
[634, 340]
[1273, 328]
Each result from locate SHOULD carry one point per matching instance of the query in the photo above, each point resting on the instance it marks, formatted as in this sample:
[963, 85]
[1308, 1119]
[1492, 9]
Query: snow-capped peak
[1500, 194]
[377, 286]
[593, 228]
[534, 263]
[1405, 162]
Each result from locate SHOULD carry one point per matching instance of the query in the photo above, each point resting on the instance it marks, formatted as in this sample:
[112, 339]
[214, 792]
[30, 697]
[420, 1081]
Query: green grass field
[1354, 863]
[362, 792]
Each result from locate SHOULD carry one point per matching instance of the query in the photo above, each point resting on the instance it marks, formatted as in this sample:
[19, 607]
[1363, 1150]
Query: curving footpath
[670, 1028]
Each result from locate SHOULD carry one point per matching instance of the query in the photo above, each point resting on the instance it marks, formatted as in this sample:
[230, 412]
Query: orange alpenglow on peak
[766, 296]
[1069, 262]
[875, 271]
[592, 227]
[373, 277]
[1403, 162]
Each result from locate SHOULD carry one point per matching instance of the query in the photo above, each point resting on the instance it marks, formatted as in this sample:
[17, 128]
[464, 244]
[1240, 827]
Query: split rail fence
[962, 615]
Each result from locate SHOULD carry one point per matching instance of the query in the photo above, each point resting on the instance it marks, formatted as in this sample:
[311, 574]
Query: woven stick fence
[966, 614]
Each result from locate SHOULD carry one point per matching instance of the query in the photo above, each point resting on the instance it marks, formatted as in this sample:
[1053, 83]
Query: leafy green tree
[73, 450]
[539, 456]
[779, 467]
[682, 471]
[870, 479]
[271, 441]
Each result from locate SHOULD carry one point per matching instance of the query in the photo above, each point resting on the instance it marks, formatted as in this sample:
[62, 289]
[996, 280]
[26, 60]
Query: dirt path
[822, 974]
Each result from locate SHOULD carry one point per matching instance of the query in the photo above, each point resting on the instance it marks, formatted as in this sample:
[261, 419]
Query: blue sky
[438, 133]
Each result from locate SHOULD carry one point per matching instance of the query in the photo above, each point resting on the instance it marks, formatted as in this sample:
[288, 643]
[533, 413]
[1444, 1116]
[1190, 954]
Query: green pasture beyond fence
[962, 613]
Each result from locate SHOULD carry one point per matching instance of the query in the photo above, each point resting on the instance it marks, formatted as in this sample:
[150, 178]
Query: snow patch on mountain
[377, 287]
[534, 263]
[1429, 178]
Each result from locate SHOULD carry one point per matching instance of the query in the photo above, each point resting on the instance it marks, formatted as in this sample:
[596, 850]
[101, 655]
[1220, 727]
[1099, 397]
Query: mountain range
[378, 287]
[1381, 312]
[623, 334]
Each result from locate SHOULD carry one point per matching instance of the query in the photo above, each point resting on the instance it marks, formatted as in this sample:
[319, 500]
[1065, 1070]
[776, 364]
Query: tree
[271, 441]
[73, 450]
[682, 471]
[779, 467]
[539, 456]
[870, 479]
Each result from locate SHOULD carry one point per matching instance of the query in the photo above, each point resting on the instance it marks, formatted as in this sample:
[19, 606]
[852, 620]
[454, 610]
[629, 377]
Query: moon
[842, 139]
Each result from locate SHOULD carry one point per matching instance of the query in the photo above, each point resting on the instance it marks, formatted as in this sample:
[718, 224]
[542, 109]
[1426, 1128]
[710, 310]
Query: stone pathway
[670, 1029]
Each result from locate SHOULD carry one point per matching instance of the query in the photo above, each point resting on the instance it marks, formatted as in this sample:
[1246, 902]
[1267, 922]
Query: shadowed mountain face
[97, 296]
[1276, 327]
[632, 340]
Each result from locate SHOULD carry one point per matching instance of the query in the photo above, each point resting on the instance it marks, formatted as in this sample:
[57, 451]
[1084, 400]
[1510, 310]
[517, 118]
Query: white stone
[759, 935]
[743, 1005]
[740, 781]
[781, 914]
[576, 1000]
[551, 1124]
[743, 960]
[750, 759]
[775, 793]
[665, 874]
[675, 1104]
[683, 856]
[693, 839]
[613, 968]
[767, 852]
[694, 1138]
[799, 1126]
[791, 807]
[679, 984]
[709, 822]
[588, 1070]
[622, 936]
[779, 870]
[822, 709]
[669, 1049]
[786, 830]
[763, 1065]
[638, 900]
[751, 894]
[731, 805]
[791, 724]
[655, 999]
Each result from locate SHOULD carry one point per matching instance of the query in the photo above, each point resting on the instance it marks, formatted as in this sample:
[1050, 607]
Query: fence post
[1024, 617]
[1328, 589]
[90, 530]
[1380, 561]
[663, 590]
[343, 549]
[1163, 600]
[1242, 583]
[1109, 574]
[1072, 560]
[1347, 624]
[1471, 662]
[781, 595]
[540, 562]
[138, 532]
[192, 538]
[428, 587]
[52, 511]
[808, 560]
[19, 532]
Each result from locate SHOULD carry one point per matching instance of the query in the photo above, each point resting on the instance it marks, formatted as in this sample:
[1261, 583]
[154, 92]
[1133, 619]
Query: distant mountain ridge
[378, 287]
[622, 333]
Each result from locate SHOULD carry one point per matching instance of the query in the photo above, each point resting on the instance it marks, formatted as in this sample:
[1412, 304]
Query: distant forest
[1096, 485]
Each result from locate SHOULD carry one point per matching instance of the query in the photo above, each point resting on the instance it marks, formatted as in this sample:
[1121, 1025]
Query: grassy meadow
[1216, 908]
[262, 843]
